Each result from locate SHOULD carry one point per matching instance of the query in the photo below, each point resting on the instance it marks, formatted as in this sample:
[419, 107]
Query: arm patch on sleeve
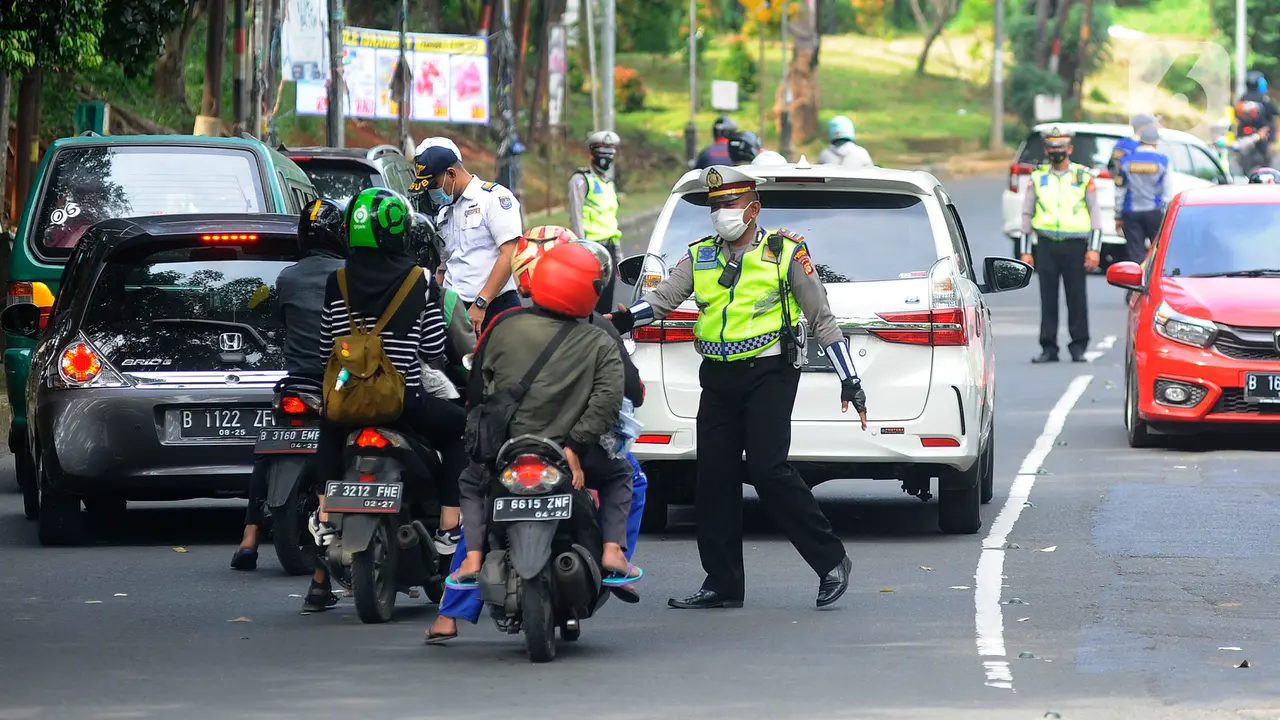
[802, 256]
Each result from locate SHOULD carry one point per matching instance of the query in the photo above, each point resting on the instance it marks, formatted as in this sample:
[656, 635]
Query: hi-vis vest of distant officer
[745, 319]
[600, 209]
[1061, 211]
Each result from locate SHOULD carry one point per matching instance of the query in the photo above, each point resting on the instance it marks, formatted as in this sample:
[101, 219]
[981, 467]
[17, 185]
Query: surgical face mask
[1058, 156]
[440, 196]
[730, 223]
[602, 163]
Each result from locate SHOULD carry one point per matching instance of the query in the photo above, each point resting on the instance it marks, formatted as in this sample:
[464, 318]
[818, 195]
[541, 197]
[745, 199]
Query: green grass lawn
[1172, 18]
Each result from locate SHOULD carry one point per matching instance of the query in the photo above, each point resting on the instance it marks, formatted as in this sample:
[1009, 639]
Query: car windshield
[340, 180]
[188, 307]
[852, 236]
[1224, 240]
[1088, 149]
[91, 184]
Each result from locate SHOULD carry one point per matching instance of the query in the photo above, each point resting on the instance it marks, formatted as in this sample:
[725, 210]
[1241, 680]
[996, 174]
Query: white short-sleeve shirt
[473, 228]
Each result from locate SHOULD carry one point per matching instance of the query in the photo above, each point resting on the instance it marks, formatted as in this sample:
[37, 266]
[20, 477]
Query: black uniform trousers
[1062, 260]
[1139, 228]
[746, 405]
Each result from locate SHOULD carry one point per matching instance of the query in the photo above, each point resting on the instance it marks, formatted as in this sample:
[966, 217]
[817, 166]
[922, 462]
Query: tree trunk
[170, 82]
[4, 155]
[215, 59]
[536, 111]
[803, 77]
[943, 12]
[521, 35]
[360, 14]
[435, 15]
[1059, 25]
[1042, 34]
[27, 150]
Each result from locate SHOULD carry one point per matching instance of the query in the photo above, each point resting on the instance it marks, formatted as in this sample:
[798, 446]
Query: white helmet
[769, 157]
[437, 142]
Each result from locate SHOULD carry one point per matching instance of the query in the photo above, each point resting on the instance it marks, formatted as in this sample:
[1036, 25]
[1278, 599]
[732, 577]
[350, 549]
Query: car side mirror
[1005, 274]
[22, 319]
[629, 269]
[1126, 275]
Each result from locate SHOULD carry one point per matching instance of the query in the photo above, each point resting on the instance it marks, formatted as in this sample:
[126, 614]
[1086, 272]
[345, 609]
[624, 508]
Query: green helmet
[381, 219]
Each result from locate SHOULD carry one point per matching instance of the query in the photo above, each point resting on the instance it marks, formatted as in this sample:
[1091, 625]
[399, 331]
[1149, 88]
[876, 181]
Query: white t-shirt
[473, 228]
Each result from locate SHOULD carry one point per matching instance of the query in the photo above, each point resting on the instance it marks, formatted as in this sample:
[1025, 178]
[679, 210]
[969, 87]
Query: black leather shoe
[833, 585]
[703, 600]
[1044, 357]
[1077, 357]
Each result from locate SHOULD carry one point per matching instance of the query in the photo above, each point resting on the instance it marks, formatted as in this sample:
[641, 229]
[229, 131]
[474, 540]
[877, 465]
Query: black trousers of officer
[746, 406]
[1140, 227]
[1062, 260]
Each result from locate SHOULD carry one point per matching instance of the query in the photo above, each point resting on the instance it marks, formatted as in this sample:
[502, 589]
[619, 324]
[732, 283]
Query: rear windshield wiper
[1259, 272]
[248, 329]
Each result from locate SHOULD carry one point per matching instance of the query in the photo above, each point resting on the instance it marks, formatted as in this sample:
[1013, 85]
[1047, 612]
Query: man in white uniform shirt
[479, 223]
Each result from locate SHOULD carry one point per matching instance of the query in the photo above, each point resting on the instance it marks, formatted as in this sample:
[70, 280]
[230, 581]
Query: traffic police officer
[1141, 195]
[1061, 207]
[479, 223]
[593, 204]
[751, 286]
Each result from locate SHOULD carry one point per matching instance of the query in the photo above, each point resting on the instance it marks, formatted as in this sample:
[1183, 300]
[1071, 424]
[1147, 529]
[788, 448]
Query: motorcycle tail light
[291, 405]
[370, 437]
[530, 474]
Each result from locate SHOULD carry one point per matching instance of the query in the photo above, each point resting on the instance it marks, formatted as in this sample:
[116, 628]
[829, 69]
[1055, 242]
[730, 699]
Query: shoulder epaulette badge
[488, 186]
[699, 241]
[790, 235]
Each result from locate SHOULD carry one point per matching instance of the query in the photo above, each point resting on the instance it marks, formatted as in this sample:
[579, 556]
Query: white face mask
[729, 223]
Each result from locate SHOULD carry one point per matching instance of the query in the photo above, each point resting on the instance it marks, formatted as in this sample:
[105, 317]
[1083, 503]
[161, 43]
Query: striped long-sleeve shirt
[405, 339]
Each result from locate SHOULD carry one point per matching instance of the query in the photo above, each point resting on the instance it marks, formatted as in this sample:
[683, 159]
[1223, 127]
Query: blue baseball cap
[431, 162]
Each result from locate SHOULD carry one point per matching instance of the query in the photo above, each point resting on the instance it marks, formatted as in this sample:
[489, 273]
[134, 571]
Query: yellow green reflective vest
[1061, 211]
[744, 320]
[600, 210]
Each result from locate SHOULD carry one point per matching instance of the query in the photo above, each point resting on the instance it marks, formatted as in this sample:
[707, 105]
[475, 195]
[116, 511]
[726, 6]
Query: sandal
[439, 638]
[615, 578]
[245, 559]
[470, 581]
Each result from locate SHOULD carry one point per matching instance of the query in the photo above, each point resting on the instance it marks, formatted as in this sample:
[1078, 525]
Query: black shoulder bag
[489, 423]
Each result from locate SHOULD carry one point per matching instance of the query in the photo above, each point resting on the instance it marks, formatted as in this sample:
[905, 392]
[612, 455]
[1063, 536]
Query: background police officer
[1061, 207]
[751, 286]
[1141, 195]
[593, 204]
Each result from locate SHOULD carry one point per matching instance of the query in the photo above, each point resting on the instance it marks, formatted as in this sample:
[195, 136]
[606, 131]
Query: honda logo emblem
[231, 342]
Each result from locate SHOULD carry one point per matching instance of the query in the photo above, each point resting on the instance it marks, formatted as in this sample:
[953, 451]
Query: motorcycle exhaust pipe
[572, 580]
[406, 537]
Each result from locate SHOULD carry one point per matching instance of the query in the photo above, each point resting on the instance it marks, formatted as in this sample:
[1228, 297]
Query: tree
[1033, 47]
[940, 13]
[134, 31]
[1262, 32]
[50, 35]
[170, 75]
[651, 26]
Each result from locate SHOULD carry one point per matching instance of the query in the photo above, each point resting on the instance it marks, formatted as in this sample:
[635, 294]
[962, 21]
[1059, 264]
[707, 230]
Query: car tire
[1139, 433]
[987, 471]
[960, 502]
[61, 523]
[24, 470]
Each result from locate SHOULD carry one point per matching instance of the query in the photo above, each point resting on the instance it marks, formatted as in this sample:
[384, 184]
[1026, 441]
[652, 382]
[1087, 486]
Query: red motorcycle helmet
[568, 281]
[530, 248]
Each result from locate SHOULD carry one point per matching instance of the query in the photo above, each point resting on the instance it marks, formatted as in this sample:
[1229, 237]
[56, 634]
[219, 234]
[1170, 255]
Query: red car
[1204, 317]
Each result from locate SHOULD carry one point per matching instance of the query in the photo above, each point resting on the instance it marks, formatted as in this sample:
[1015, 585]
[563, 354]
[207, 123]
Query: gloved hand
[622, 318]
[851, 392]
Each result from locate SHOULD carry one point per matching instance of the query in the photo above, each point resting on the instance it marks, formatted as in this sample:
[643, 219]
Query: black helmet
[743, 147]
[725, 127]
[422, 242]
[381, 219]
[1265, 176]
[1255, 81]
[320, 227]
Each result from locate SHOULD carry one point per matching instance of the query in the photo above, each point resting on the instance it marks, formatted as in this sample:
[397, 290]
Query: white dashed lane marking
[1100, 348]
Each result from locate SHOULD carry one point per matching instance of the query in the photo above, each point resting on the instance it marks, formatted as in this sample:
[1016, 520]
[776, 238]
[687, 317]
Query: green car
[85, 180]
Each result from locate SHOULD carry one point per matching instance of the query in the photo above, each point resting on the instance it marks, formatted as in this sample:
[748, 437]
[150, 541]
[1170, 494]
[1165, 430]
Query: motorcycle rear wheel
[295, 548]
[537, 616]
[373, 578]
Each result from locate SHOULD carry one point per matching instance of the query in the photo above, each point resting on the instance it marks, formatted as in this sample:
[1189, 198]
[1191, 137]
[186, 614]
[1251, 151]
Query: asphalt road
[1132, 584]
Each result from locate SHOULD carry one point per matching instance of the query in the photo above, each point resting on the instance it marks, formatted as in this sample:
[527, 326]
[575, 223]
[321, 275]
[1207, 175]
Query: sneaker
[319, 598]
[323, 532]
[446, 541]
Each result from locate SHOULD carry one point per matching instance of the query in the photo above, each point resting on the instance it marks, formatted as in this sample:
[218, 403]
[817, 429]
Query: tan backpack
[372, 391]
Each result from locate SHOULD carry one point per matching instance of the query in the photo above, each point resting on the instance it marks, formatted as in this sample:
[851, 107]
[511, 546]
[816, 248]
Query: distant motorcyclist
[1255, 110]
[744, 146]
[717, 153]
[843, 151]
[300, 293]
[379, 224]
[1251, 150]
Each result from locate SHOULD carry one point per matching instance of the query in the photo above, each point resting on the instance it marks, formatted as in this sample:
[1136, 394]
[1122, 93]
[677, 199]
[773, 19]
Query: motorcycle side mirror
[629, 270]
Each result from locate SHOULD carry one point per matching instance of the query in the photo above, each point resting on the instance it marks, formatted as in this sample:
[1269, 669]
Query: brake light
[527, 471]
[228, 238]
[292, 405]
[654, 439]
[368, 477]
[19, 292]
[370, 437]
[667, 330]
[79, 364]
[938, 328]
[939, 442]
[530, 474]
[1104, 175]
[1016, 171]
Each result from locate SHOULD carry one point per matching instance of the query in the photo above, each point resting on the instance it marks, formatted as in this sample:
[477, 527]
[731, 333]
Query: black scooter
[381, 509]
[543, 565]
[289, 447]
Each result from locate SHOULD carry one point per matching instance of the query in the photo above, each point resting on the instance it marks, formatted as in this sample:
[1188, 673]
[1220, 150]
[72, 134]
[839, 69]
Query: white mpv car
[890, 247]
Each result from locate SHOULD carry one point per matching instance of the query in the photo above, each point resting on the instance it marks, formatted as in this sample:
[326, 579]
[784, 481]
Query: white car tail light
[943, 325]
[675, 327]
[1016, 171]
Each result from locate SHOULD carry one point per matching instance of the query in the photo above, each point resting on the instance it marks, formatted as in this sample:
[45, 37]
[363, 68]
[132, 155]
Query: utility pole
[258, 62]
[691, 130]
[274, 71]
[239, 111]
[402, 86]
[336, 125]
[610, 35]
[595, 69]
[784, 136]
[762, 91]
[1242, 48]
[997, 80]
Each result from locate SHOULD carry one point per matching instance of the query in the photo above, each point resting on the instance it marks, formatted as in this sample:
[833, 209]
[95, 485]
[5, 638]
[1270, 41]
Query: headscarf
[374, 276]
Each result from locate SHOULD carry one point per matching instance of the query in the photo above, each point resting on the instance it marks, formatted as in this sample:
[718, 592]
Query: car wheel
[60, 520]
[987, 473]
[656, 500]
[1139, 434]
[960, 502]
[25, 471]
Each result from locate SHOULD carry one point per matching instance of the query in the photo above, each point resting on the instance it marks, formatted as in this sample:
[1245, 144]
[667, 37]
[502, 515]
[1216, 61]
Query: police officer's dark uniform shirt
[300, 288]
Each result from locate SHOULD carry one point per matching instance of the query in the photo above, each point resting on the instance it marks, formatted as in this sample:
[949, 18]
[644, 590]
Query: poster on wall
[304, 41]
[450, 77]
